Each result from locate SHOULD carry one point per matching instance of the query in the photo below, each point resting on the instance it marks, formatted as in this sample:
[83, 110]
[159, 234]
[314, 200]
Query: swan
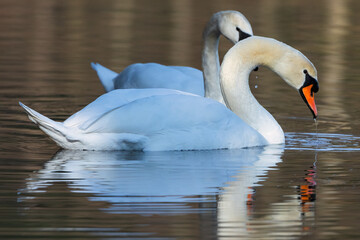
[232, 24]
[168, 119]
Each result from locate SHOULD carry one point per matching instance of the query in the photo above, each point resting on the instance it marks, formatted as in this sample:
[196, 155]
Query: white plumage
[150, 120]
[166, 119]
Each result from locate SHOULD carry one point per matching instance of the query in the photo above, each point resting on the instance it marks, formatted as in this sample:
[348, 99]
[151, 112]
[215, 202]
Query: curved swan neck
[234, 79]
[210, 60]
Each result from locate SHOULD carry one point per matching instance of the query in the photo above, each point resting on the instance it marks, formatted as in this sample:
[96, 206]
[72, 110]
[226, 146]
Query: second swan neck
[210, 61]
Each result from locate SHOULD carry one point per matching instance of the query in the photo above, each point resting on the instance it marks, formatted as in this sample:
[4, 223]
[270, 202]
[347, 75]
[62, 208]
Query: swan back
[154, 75]
[110, 101]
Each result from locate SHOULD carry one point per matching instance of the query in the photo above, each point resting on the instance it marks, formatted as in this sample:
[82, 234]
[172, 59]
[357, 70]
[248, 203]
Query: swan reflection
[173, 183]
[185, 176]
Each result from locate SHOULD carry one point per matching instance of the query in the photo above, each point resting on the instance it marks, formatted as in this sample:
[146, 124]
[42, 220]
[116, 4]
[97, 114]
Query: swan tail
[55, 130]
[105, 75]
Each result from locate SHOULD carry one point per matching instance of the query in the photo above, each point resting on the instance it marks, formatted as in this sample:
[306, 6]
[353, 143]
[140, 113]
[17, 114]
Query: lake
[308, 188]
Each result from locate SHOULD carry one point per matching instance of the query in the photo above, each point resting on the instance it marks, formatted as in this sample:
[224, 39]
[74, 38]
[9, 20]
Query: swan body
[152, 75]
[232, 24]
[166, 119]
[124, 119]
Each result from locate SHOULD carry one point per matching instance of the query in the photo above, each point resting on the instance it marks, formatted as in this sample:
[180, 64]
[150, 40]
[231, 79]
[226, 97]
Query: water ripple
[322, 142]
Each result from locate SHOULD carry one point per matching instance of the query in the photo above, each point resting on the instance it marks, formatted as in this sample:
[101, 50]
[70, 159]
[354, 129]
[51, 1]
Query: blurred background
[45, 52]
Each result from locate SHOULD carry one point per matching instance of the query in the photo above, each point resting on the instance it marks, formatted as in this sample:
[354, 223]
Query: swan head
[290, 64]
[300, 73]
[233, 25]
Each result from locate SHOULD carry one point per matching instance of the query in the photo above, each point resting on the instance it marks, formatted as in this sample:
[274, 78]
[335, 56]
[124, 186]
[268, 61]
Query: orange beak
[308, 96]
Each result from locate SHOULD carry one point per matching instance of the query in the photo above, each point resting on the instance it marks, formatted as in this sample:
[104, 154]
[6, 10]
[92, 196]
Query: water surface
[306, 189]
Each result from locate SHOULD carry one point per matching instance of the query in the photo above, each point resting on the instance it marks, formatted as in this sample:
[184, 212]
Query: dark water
[307, 189]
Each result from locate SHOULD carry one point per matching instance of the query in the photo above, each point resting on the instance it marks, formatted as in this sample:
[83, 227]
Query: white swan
[232, 24]
[166, 119]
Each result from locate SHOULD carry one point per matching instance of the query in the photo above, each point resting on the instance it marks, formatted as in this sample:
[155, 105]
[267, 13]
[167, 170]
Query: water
[306, 189]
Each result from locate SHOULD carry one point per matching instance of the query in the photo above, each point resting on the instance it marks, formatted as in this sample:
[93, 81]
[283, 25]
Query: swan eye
[305, 71]
[238, 29]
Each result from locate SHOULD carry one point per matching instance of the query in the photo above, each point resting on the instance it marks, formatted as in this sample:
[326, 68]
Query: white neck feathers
[210, 60]
[234, 78]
